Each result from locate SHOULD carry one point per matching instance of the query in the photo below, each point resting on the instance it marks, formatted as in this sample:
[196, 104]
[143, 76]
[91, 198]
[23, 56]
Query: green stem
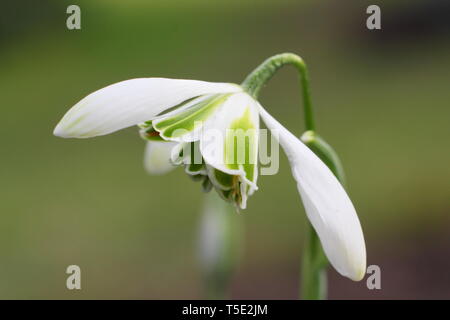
[219, 246]
[255, 80]
[313, 272]
[314, 263]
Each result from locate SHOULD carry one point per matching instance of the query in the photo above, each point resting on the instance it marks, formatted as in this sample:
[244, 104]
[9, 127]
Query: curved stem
[313, 272]
[255, 80]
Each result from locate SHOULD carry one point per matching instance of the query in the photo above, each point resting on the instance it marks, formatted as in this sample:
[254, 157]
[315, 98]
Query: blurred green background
[381, 98]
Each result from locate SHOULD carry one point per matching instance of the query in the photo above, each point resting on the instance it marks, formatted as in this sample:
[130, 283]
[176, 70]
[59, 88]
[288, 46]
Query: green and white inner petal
[227, 127]
[186, 123]
[149, 133]
[229, 141]
[229, 144]
[192, 159]
[187, 154]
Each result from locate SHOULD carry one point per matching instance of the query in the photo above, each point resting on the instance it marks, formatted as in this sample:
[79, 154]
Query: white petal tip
[359, 274]
[356, 268]
[59, 132]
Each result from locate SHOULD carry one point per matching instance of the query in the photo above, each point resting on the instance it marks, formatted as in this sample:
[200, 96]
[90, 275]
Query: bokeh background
[381, 99]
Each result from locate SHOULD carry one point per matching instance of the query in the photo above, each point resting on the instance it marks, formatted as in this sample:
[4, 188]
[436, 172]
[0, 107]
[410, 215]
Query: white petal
[214, 135]
[130, 102]
[326, 203]
[157, 157]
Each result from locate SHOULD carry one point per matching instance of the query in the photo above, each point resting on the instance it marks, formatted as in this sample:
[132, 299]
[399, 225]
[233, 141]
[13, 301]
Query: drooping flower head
[209, 122]
[212, 130]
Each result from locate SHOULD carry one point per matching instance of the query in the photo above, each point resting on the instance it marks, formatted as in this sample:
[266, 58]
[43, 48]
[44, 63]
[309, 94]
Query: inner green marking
[149, 133]
[240, 144]
[186, 120]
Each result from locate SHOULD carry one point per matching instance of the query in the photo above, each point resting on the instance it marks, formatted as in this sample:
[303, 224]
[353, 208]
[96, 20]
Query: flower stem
[256, 80]
[313, 273]
[219, 246]
[314, 263]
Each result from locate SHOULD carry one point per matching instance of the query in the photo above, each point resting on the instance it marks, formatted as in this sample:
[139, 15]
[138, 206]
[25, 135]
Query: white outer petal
[157, 157]
[130, 102]
[327, 205]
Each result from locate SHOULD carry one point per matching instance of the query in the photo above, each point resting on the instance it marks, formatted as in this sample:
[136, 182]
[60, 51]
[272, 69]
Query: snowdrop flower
[172, 114]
